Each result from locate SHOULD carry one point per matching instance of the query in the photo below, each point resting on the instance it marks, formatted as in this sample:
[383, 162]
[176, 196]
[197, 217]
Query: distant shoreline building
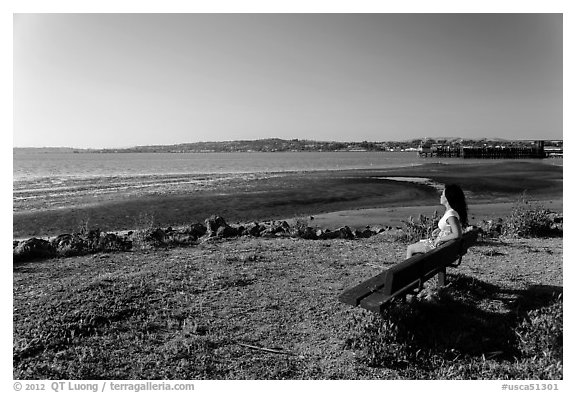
[522, 149]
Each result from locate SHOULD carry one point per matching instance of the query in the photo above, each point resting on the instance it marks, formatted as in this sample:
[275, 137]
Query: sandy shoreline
[394, 216]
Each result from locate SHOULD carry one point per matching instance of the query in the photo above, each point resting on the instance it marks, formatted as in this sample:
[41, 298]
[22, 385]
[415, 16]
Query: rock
[345, 233]
[212, 225]
[491, 228]
[69, 245]
[332, 234]
[155, 237]
[197, 230]
[253, 229]
[325, 234]
[113, 242]
[216, 226]
[268, 232]
[226, 231]
[363, 233]
[180, 238]
[33, 249]
[307, 233]
[276, 229]
[376, 229]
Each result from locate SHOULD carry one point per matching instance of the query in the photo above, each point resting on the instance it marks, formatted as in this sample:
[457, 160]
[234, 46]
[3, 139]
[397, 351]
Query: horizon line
[287, 140]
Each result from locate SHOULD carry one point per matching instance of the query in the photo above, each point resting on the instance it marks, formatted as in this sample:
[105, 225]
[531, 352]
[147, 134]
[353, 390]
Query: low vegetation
[257, 308]
[526, 220]
[448, 336]
[265, 307]
[530, 219]
[421, 228]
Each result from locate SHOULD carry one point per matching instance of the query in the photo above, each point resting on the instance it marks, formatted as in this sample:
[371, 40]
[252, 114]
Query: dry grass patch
[264, 309]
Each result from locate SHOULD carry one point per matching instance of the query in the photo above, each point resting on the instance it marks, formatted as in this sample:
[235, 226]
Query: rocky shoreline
[214, 227]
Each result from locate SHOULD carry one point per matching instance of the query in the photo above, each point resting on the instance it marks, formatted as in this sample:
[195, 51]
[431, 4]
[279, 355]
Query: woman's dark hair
[457, 201]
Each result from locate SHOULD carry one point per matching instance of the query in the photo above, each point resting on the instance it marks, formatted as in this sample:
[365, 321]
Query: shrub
[529, 219]
[301, 223]
[147, 234]
[415, 230]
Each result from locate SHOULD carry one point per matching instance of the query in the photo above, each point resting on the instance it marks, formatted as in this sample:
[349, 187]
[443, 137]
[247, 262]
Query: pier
[510, 152]
[536, 150]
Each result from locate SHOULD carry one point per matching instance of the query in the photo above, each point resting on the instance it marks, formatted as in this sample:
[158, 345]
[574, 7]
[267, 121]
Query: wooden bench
[408, 275]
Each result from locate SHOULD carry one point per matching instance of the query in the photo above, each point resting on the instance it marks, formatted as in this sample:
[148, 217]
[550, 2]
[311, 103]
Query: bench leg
[442, 278]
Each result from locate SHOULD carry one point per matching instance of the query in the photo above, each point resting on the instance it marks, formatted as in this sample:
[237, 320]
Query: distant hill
[45, 149]
[280, 145]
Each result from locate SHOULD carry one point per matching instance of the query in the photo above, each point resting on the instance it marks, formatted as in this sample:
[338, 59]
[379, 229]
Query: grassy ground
[256, 308]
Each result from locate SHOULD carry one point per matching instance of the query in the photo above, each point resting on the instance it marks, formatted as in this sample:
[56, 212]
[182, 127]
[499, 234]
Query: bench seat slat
[378, 299]
[353, 295]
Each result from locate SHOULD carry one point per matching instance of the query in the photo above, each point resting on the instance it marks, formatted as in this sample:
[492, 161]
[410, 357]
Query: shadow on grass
[473, 317]
[470, 319]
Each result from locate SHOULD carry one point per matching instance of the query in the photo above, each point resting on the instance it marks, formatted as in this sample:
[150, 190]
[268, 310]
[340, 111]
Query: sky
[119, 80]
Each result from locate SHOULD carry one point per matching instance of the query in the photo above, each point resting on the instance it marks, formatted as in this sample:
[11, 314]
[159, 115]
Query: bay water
[57, 179]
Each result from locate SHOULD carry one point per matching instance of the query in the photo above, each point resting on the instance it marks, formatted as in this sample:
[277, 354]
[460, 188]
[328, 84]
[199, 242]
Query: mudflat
[348, 197]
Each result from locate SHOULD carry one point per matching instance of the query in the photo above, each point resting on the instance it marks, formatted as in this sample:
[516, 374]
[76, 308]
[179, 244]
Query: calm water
[32, 166]
[47, 180]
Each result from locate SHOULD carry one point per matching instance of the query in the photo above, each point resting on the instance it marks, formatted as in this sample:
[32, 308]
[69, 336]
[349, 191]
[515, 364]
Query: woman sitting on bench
[450, 225]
